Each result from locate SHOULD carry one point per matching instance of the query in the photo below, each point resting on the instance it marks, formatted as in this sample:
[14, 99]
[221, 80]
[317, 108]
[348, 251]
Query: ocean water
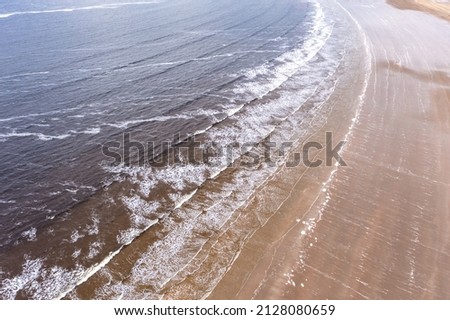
[81, 75]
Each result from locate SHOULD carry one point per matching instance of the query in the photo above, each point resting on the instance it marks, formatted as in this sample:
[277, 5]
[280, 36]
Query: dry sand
[384, 227]
[440, 9]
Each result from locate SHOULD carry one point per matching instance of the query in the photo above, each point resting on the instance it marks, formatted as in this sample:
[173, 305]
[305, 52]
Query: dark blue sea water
[76, 75]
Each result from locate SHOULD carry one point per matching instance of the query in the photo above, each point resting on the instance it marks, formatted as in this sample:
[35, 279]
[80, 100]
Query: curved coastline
[375, 228]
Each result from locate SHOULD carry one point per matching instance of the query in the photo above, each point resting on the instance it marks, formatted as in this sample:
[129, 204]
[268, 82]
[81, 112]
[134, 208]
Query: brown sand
[384, 227]
[440, 9]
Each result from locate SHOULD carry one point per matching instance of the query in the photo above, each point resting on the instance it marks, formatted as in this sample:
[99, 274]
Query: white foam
[76, 253]
[26, 74]
[84, 275]
[181, 200]
[288, 63]
[202, 131]
[139, 208]
[77, 116]
[177, 176]
[7, 201]
[170, 253]
[66, 10]
[126, 124]
[40, 136]
[48, 137]
[55, 282]
[30, 272]
[93, 229]
[40, 125]
[225, 55]
[251, 126]
[75, 236]
[30, 234]
[94, 249]
[34, 115]
[92, 131]
[140, 213]
[127, 236]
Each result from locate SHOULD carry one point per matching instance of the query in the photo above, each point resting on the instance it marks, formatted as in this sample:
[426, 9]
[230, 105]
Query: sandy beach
[380, 227]
[440, 9]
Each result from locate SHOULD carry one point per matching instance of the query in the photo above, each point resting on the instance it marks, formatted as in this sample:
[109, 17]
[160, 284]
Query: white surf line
[189, 196]
[361, 97]
[94, 269]
[185, 199]
[103, 6]
[330, 179]
[232, 221]
[89, 273]
[98, 266]
[40, 136]
[269, 178]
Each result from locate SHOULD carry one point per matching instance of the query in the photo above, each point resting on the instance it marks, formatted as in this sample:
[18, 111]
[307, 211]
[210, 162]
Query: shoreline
[297, 213]
[140, 216]
[380, 229]
[205, 253]
[377, 228]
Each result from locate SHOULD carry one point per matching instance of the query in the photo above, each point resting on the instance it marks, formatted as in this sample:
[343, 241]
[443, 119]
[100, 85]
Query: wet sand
[380, 227]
